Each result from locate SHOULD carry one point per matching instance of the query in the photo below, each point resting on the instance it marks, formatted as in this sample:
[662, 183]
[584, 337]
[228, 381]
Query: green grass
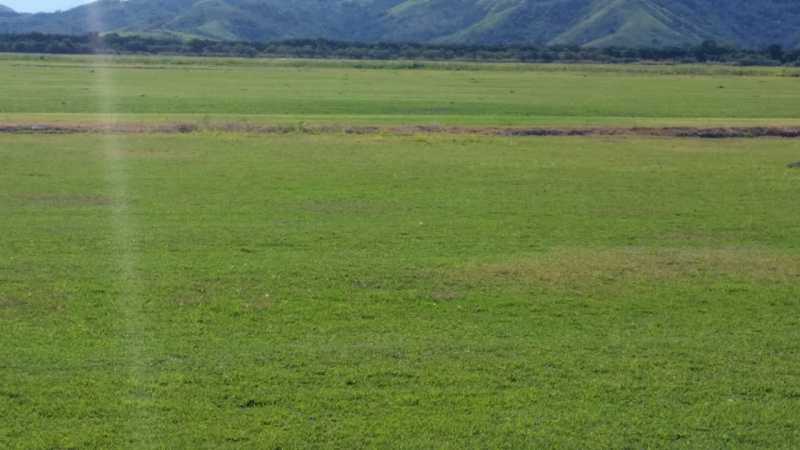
[558, 95]
[233, 291]
[456, 65]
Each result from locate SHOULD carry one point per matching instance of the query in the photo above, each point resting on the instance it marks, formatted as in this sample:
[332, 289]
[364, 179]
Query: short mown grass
[428, 291]
[144, 89]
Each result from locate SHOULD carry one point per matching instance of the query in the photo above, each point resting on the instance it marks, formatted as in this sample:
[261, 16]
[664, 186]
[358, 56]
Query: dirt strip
[233, 127]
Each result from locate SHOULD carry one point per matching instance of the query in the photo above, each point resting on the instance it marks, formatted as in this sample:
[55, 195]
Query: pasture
[199, 90]
[308, 289]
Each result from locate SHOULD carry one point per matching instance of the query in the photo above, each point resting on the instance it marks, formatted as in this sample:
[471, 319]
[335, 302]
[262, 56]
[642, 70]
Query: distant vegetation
[587, 23]
[708, 51]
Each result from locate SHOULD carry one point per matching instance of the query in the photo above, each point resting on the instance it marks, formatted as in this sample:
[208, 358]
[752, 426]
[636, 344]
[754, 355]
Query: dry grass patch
[446, 295]
[570, 267]
[10, 302]
[260, 303]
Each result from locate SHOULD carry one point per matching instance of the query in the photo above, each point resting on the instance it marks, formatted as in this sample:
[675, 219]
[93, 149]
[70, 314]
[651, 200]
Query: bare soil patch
[238, 127]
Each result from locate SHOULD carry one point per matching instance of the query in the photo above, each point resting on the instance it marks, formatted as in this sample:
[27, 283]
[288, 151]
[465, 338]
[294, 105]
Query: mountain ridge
[629, 23]
[6, 11]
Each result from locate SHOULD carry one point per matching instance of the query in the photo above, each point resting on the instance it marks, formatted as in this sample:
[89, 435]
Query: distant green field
[442, 291]
[146, 89]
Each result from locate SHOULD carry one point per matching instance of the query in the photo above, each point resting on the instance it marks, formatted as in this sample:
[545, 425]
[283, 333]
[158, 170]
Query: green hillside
[582, 22]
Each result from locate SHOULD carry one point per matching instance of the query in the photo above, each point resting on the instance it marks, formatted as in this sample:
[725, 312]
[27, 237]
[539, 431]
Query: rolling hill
[5, 11]
[580, 22]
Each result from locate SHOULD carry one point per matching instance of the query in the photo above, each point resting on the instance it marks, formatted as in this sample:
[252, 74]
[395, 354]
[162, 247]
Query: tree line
[709, 51]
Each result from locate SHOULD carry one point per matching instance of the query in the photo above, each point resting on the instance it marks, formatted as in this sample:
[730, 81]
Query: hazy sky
[41, 5]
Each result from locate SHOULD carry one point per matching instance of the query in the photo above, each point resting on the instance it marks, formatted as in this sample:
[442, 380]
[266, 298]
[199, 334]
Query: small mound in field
[794, 165]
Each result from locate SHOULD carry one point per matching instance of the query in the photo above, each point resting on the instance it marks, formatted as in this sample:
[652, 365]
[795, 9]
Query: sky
[41, 5]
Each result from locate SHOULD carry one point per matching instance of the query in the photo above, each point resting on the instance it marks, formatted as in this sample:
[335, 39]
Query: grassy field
[234, 290]
[64, 89]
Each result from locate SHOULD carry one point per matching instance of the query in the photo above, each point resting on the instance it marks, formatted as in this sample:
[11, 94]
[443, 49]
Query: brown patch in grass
[195, 296]
[85, 128]
[446, 295]
[262, 303]
[243, 127]
[571, 267]
[10, 303]
[190, 300]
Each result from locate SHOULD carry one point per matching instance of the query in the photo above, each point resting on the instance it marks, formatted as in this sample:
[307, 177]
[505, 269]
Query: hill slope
[5, 11]
[582, 22]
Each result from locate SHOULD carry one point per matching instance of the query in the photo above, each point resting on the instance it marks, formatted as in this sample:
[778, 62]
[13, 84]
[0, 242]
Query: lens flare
[126, 279]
